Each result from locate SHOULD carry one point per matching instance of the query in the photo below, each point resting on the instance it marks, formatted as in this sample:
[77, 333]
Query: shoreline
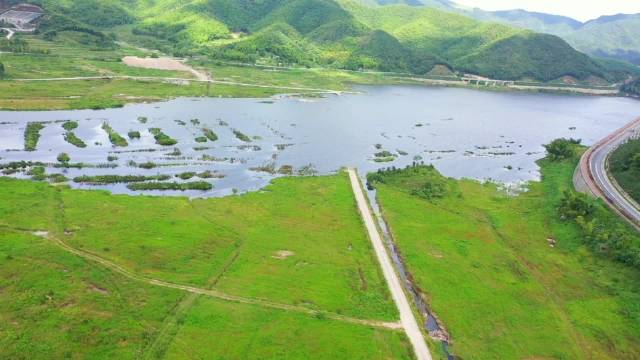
[178, 85]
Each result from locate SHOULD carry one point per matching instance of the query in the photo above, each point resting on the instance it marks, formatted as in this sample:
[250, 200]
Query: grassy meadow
[65, 58]
[54, 305]
[105, 93]
[256, 246]
[506, 276]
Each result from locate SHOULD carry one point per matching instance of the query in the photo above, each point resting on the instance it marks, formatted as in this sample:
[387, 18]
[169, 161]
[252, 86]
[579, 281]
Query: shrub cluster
[162, 138]
[70, 125]
[32, 135]
[601, 230]
[72, 139]
[210, 134]
[418, 179]
[241, 136]
[562, 149]
[114, 137]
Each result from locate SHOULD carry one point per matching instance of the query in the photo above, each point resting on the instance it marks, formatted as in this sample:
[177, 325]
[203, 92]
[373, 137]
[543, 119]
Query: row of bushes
[118, 179]
[196, 185]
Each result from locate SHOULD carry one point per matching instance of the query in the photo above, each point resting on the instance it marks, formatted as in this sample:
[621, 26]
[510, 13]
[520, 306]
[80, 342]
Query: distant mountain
[442, 4]
[540, 22]
[615, 36]
[385, 35]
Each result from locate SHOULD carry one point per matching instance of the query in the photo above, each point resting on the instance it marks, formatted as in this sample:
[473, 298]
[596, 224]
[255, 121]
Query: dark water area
[464, 133]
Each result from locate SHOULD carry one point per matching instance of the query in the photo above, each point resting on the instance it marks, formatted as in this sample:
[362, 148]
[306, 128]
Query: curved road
[594, 170]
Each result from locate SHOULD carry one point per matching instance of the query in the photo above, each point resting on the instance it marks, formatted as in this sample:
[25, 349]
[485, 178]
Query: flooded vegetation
[115, 138]
[32, 136]
[463, 133]
[176, 186]
[209, 134]
[240, 136]
[162, 138]
[72, 139]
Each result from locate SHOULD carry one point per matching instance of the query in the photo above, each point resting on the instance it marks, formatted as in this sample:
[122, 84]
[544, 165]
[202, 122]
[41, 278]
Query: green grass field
[56, 305]
[258, 247]
[487, 268]
[248, 332]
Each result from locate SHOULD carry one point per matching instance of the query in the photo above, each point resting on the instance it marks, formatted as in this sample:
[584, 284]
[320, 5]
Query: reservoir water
[464, 133]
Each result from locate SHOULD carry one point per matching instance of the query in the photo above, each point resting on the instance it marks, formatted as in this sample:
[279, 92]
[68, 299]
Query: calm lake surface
[464, 133]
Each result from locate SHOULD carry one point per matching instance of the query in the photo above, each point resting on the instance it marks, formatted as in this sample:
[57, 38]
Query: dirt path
[407, 318]
[184, 80]
[164, 63]
[211, 292]
[10, 33]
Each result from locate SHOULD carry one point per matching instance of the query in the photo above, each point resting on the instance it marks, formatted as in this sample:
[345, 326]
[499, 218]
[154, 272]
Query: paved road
[594, 169]
[407, 319]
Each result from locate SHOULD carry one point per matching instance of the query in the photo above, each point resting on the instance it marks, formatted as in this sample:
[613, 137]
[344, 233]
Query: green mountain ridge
[344, 34]
[615, 37]
[612, 36]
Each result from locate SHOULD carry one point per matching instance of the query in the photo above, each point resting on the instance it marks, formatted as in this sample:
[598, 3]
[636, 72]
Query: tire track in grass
[171, 325]
[212, 292]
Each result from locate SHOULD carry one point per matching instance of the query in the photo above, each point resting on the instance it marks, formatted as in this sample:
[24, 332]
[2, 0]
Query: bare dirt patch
[100, 290]
[283, 254]
[162, 63]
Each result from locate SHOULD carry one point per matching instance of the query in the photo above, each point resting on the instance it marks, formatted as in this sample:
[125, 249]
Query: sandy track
[10, 33]
[211, 292]
[185, 80]
[407, 319]
[163, 63]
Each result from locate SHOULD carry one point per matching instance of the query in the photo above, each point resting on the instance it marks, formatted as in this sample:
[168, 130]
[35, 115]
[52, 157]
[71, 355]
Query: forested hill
[350, 34]
[632, 88]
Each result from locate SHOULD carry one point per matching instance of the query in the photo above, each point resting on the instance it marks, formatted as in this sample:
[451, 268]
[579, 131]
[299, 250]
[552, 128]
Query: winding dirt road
[407, 319]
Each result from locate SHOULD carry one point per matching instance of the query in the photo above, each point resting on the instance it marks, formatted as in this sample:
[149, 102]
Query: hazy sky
[578, 9]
